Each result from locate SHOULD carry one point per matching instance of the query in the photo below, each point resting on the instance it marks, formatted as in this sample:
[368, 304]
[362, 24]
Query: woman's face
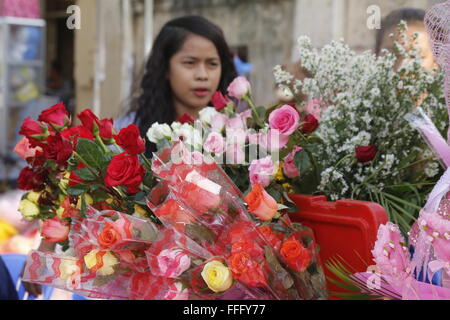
[194, 74]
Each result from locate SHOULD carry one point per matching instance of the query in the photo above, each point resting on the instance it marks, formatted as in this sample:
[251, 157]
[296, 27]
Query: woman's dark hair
[154, 101]
[393, 19]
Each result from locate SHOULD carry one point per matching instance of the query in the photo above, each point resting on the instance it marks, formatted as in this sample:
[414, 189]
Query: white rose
[158, 132]
[190, 136]
[206, 115]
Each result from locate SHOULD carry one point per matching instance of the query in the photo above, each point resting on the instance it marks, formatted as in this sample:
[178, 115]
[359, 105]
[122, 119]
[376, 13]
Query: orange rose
[249, 247]
[296, 256]
[247, 270]
[271, 237]
[261, 203]
[109, 236]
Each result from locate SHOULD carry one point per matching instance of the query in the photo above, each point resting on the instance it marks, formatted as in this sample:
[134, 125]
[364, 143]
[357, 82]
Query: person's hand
[33, 289]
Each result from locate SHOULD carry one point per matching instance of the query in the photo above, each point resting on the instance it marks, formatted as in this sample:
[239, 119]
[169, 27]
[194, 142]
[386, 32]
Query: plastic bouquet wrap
[198, 200]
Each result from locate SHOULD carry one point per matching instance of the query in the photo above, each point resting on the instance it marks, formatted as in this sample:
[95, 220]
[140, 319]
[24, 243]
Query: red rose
[186, 118]
[58, 149]
[365, 154]
[218, 100]
[31, 180]
[34, 131]
[130, 140]
[125, 170]
[88, 118]
[56, 115]
[310, 124]
[296, 256]
[106, 130]
[246, 270]
[72, 134]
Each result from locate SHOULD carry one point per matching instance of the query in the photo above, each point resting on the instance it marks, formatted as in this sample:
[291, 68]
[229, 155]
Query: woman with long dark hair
[190, 60]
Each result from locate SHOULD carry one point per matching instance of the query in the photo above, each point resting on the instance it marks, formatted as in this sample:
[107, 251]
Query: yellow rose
[28, 209]
[33, 196]
[217, 276]
[109, 260]
[87, 198]
[6, 231]
[68, 268]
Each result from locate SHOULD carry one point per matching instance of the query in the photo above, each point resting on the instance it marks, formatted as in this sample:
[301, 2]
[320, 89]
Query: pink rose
[172, 263]
[286, 119]
[55, 230]
[24, 149]
[272, 140]
[239, 87]
[261, 171]
[215, 143]
[218, 122]
[236, 123]
[289, 168]
[315, 107]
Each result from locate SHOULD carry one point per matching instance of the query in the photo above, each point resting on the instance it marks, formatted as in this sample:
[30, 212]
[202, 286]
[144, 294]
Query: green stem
[253, 107]
[99, 139]
[147, 162]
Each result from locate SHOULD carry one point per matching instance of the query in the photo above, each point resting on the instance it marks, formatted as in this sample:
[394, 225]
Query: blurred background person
[414, 18]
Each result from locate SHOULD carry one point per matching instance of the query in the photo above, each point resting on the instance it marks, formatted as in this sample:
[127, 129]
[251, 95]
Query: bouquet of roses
[367, 149]
[106, 249]
[71, 168]
[198, 200]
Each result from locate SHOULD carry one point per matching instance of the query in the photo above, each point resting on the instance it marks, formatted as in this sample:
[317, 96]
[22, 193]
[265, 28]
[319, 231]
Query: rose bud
[365, 153]
[219, 101]
[310, 124]
[56, 116]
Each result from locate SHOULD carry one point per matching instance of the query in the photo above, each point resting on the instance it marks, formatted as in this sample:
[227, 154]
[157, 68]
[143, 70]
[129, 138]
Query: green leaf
[83, 206]
[301, 161]
[86, 174]
[95, 187]
[77, 190]
[261, 112]
[200, 233]
[91, 153]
